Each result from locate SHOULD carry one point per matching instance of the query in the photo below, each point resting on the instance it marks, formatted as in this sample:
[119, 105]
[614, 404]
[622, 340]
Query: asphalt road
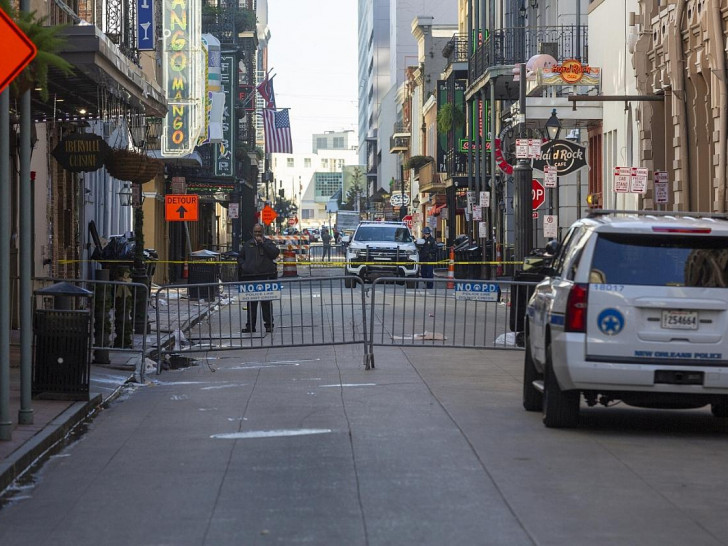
[302, 445]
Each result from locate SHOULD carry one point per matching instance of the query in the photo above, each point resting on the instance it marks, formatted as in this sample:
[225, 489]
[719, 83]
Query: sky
[313, 54]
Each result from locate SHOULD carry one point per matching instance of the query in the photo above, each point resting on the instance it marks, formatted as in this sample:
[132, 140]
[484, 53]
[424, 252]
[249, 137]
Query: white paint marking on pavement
[214, 387]
[349, 385]
[270, 433]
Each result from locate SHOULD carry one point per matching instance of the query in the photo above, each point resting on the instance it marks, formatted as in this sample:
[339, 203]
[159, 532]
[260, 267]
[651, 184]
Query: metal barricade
[305, 312]
[474, 314]
[118, 327]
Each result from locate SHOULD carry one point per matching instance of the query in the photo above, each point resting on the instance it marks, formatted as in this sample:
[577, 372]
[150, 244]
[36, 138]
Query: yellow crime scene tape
[298, 262]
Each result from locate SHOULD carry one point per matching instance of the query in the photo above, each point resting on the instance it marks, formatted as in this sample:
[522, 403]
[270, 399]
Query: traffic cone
[289, 263]
[451, 269]
[185, 271]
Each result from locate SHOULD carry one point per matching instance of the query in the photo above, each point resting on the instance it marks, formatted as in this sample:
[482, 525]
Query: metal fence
[463, 313]
[118, 313]
[309, 311]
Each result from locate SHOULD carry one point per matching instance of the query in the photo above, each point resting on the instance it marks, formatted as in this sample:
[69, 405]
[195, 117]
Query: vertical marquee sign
[183, 76]
[224, 152]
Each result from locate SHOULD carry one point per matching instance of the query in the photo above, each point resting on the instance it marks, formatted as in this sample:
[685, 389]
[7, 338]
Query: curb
[21, 459]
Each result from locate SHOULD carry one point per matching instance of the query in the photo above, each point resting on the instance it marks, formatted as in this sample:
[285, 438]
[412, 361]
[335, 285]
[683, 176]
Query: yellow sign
[182, 207]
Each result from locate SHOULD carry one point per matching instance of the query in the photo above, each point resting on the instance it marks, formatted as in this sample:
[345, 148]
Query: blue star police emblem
[610, 322]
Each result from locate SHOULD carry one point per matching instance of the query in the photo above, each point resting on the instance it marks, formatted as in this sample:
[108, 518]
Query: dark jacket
[428, 250]
[256, 260]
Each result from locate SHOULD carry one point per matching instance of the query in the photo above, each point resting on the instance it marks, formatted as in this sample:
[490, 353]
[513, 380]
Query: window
[307, 162]
[321, 143]
[654, 260]
[289, 162]
[338, 143]
[383, 233]
[325, 163]
[307, 214]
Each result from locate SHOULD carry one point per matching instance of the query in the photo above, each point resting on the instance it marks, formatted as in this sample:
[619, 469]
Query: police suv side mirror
[420, 241]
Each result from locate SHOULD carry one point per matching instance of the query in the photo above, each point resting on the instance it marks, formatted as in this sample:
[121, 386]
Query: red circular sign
[538, 194]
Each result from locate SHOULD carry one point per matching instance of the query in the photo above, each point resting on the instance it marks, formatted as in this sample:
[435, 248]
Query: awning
[435, 211]
[193, 159]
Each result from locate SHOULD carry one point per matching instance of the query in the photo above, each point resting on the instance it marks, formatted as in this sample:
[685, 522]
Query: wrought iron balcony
[400, 139]
[456, 50]
[518, 44]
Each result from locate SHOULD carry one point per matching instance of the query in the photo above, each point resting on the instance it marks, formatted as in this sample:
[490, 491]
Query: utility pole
[522, 175]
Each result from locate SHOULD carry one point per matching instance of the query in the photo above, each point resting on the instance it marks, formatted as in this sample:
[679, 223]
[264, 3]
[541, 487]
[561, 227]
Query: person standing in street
[326, 240]
[428, 253]
[257, 263]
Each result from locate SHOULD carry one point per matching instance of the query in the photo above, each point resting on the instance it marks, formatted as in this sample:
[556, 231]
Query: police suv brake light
[658, 229]
[576, 305]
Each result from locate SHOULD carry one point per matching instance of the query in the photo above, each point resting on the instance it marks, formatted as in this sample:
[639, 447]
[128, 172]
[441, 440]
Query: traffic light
[282, 193]
[594, 200]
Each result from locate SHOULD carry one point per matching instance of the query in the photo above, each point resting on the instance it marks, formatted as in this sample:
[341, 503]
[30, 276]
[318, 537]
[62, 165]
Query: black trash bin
[474, 267]
[203, 269]
[461, 244]
[520, 295]
[62, 342]
[229, 267]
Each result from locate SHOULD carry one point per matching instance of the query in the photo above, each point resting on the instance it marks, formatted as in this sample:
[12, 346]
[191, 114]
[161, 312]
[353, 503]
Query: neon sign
[183, 76]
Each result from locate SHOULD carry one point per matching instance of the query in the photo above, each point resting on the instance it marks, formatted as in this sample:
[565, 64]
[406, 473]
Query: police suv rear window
[660, 260]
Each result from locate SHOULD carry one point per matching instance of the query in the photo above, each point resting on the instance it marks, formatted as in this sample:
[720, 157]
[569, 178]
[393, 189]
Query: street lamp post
[553, 128]
[522, 174]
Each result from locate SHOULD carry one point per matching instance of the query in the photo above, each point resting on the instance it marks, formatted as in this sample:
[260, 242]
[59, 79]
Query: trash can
[229, 267]
[62, 342]
[203, 269]
[461, 246]
[474, 257]
[519, 298]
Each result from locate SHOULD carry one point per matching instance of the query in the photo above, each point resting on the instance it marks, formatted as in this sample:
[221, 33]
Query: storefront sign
[224, 153]
[145, 25]
[183, 76]
[566, 156]
[570, 72]
[81, 152]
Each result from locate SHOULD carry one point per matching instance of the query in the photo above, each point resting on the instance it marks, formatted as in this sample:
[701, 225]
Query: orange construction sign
[181, 207]
[268, 215]
[18, 50]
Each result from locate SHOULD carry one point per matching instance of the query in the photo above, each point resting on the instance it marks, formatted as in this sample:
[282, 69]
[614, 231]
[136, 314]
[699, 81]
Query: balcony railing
[518, 44]
[401, 129]
[456, 50]
[399, 144]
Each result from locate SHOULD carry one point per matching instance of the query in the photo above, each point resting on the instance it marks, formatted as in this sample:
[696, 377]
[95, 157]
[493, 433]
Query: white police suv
[635, 308]
[380, 249]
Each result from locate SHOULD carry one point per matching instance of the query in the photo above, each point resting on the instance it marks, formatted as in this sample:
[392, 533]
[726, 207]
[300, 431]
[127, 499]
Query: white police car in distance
[635, 309]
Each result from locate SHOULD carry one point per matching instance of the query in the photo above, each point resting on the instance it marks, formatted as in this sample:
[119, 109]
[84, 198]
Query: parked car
[634, 308]
[378, 249]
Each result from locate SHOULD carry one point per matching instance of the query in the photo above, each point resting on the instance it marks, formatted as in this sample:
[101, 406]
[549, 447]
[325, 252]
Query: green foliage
[48, 42]
[449, 117]
[416, 162]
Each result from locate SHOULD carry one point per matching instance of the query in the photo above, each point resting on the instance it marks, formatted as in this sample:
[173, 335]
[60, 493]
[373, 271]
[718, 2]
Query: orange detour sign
[181, 208]
[17, 50]
[268, 215]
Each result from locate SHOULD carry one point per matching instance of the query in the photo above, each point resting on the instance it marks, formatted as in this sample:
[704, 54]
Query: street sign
[538, 194]
[18, 50]
[477, 291]
[408, 220]
[268, 215]
[181, 208]
[661, 195]
[550, 226]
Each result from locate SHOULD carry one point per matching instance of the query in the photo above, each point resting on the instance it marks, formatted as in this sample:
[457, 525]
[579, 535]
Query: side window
[560, 257]
[574, 252]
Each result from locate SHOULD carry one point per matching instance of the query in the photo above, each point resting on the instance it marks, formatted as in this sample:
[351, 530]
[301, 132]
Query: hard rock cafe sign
[570, 72]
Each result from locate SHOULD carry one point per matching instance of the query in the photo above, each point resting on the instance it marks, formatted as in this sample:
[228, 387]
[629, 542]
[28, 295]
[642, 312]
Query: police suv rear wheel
[560, 408]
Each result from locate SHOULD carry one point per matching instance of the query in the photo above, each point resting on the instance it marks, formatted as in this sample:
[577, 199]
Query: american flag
[277, 127]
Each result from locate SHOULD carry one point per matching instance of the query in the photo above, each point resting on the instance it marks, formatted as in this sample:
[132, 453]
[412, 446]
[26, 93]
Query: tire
[560, 408]
[720, 409]
[349, 282]
[532, 397]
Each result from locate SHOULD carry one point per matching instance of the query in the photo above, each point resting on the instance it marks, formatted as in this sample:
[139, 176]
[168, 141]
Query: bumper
[369, 271]
[575, 371]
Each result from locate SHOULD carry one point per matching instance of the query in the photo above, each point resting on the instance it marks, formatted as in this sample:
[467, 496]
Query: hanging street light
[553, 126]
[125, 195]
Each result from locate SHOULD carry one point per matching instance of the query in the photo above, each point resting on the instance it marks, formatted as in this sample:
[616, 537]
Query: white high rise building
[386, 49]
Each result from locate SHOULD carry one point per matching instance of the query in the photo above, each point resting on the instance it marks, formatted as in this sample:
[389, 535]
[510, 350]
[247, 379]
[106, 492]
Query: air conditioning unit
[549, 48]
